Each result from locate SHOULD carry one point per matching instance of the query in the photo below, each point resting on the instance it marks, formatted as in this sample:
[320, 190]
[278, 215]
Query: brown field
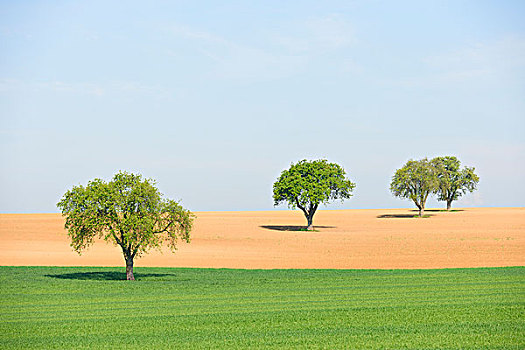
[346, 239]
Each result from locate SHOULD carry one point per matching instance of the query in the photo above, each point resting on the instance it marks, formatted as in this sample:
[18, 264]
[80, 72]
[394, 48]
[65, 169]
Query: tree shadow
[400, 216]
[291, 227]
[439, 210]
[104, 276]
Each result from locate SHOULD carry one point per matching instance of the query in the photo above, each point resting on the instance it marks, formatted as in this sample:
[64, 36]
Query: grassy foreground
[51, 307]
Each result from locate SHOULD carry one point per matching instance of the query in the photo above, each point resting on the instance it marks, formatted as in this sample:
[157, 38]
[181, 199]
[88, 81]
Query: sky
[213, 99]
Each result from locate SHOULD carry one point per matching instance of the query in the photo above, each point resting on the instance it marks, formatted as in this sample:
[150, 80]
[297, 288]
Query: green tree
[309, 183]
[453, 181]
[416, 180]
[128, 211]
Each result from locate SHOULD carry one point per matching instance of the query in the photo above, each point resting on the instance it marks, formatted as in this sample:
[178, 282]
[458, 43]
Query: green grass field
[52, 307]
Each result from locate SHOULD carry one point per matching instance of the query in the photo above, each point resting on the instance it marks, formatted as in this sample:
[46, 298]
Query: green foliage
[416, 180]
[79, 308]
[310, 183]
[453, 181]
[128, 211]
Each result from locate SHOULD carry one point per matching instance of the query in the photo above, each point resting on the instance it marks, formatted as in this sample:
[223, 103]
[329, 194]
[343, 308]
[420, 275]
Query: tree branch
[165, 228]
[300, 206]
[135, 251]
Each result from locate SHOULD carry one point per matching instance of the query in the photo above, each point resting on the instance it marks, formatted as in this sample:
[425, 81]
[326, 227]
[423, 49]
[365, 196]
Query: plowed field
[345, 239]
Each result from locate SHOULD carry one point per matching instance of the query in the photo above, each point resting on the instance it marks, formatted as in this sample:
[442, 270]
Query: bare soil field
[345, 239]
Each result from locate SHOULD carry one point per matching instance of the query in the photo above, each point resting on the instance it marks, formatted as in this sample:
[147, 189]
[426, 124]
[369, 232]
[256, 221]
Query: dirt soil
[345, 239]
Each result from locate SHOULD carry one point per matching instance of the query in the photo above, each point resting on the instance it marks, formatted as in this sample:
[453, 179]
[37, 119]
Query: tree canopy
[128, 211]
[416, 180]
[453, 181]
[310, 183]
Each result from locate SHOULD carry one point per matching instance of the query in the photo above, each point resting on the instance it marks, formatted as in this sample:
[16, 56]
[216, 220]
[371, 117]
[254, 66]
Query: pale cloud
[496, 158]
[234, 61]
[351, 66]
[438, 79]
[317, 35]
[331, 32]
[186, 32]
[500, 166]
[312, 35]
[488, 63]
[248, 63]
[274, 55]
[81, 88]
[495, 59]
[474, 199]
[504, 53]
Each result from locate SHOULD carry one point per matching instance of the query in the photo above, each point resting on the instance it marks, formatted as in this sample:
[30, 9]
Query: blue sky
[214, 99]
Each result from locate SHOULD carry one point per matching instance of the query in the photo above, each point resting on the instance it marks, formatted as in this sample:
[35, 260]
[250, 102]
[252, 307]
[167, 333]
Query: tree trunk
[129, 269]
[449, 205]
[420, 207]
[310, 219]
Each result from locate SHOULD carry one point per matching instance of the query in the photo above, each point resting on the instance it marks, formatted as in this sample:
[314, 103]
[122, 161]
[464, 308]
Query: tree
[415, 180]
[453, 181]
[128, 211]
[309, 183]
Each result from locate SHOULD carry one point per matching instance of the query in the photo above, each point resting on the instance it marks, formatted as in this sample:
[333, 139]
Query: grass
[52, 307]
